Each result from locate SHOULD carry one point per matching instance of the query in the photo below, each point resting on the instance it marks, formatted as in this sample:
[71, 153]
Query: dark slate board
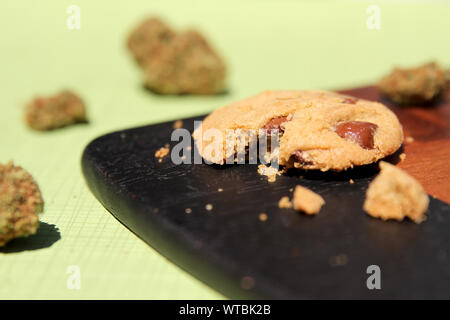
[289, 256]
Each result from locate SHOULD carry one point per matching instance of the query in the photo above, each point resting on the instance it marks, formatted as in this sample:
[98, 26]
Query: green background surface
[267, 45]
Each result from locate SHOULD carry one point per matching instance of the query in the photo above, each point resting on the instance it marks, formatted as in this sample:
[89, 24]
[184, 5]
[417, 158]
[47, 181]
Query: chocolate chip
[350, 100]
[275, 124]
[358, 131]
[298, 157]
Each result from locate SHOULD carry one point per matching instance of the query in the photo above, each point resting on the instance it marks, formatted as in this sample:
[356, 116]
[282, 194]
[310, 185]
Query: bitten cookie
[394, 194]
[318, 129]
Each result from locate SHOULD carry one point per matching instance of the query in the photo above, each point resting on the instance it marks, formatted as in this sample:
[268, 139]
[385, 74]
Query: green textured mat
[267, 44]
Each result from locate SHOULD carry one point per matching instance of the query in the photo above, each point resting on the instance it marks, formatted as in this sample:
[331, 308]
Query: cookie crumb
[351, 181]
[220, 190]
[270, 172]
[409, 139]
[307, 201]
[262, 217]
[402, 157]
[339, 260]
[209, 207]
[162, 152]
[284, 203]
[394, 194]
[188, 210]
[178, 124]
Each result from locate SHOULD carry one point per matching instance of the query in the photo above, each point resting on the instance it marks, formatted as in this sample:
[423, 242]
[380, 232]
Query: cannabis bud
[176, 62]
[419, 85]
[20, 203]
[63, 109]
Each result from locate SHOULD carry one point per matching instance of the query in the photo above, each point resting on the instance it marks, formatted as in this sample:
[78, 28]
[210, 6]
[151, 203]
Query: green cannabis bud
[63, 109]
[176, 62]
[419, 85]
[20, 203]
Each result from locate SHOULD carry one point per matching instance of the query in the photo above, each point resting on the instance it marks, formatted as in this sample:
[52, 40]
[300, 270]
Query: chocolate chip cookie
[317, 129]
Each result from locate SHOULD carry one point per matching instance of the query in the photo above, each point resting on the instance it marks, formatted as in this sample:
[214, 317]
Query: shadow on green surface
[86, 122]
[45, 237]
[144, 87]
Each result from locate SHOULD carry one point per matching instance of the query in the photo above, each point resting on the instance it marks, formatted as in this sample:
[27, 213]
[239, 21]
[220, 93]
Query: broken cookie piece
[63, 109]
[394, 194]
[20, 203]
[419, 85]
[307, 201]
